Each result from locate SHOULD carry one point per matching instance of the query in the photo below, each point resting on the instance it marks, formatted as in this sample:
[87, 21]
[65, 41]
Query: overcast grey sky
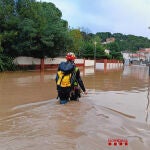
[115, 16]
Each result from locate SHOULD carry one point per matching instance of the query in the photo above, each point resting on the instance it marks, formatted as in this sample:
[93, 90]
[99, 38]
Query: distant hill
[125, 42]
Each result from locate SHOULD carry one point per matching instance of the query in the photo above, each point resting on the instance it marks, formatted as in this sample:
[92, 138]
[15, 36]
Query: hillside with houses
[135, 49]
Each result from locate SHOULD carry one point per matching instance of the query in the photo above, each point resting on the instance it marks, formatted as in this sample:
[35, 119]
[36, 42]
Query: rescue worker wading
[68, 80]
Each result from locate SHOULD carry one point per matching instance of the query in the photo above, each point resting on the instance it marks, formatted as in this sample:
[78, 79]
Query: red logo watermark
[117, 142]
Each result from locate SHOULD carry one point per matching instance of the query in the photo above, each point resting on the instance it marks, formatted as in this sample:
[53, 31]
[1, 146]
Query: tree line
[33, 28]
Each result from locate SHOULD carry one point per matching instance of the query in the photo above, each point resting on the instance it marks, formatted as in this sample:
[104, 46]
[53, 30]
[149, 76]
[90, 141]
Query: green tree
[32, 28]
[42, 30]
[8, 24]
[94, 46]
[77, 41]
[115, 50]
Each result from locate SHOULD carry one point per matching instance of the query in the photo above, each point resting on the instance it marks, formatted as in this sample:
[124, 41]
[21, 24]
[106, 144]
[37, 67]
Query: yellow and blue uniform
[64, 93]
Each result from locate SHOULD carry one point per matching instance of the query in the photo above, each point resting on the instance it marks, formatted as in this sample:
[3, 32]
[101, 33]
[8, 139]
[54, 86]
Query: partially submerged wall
[53, 62]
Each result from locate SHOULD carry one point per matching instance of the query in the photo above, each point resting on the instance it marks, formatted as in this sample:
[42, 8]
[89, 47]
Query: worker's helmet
[70, 56]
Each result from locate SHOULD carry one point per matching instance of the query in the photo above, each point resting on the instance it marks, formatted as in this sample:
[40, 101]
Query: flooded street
[116, 107]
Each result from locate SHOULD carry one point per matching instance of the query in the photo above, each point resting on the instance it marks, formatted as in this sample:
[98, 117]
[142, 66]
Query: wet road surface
[116, 107]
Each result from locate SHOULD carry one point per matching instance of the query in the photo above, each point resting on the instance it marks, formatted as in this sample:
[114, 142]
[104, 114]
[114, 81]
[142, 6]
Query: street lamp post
[95, 53]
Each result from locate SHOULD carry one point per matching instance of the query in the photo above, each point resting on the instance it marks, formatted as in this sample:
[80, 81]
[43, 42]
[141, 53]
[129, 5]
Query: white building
[146, 53]
[107, 51]
[126, 57]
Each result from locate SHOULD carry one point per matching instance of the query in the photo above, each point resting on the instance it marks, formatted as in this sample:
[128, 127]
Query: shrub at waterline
[6, 63]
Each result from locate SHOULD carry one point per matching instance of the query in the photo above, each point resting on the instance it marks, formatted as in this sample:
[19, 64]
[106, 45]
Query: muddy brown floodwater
[115, 109]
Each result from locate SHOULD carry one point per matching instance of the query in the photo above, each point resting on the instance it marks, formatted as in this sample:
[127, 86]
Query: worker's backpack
[65, 75]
